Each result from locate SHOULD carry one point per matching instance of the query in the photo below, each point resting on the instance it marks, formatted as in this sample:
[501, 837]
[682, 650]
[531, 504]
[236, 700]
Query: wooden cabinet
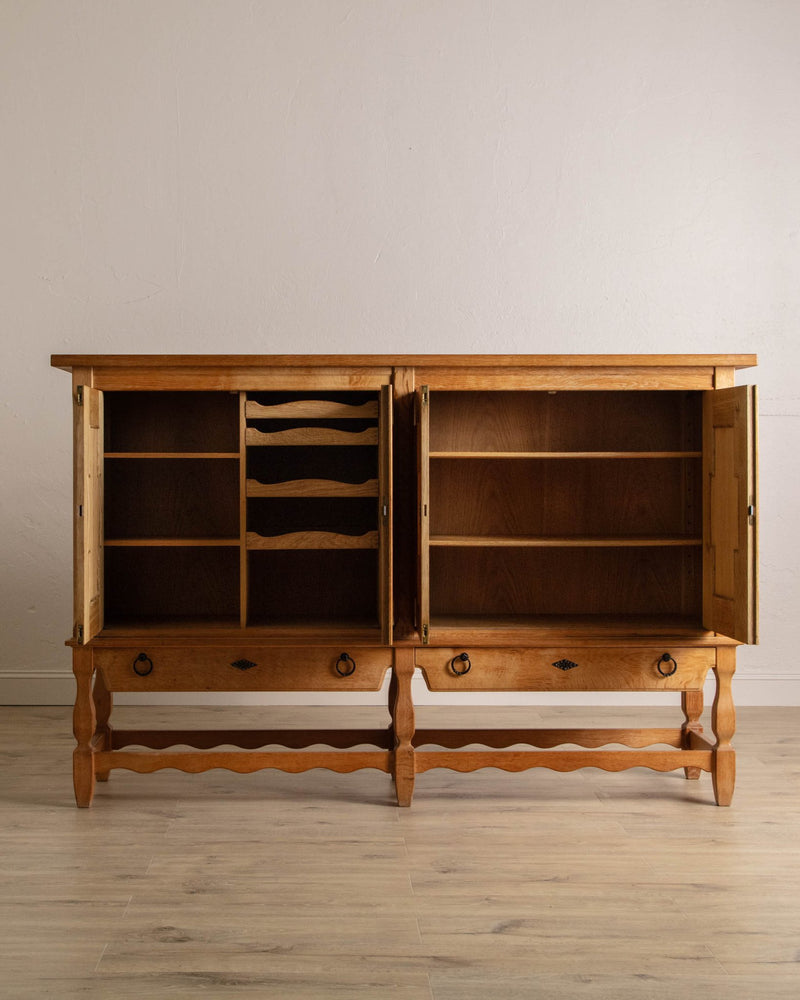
[520, 523]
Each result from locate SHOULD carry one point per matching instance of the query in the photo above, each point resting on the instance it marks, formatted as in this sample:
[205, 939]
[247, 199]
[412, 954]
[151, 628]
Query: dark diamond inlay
[565, 664]
[244, 664]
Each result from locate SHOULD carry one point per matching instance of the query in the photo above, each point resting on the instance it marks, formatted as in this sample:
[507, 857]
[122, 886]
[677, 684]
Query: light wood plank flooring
[585, 885]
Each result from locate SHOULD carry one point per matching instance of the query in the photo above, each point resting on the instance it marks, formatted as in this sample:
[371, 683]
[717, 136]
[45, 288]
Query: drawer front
[565, 668]
[243, 668]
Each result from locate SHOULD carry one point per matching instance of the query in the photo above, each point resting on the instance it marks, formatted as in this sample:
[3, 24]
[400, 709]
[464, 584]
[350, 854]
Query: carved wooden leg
[392, 700]
[83, 726]
[692, 705]
[403, 719]
[724, 724]
[103, 704]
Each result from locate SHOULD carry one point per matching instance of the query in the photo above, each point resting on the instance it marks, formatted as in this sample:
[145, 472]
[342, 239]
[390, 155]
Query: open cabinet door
[88, 513]
[423, 500]
[385, 518]
[729, 513]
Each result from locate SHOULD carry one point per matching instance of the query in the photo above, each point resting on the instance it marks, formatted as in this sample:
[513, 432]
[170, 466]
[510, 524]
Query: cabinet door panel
[385, 554]
[729, 504]
[88, 524]
[423, 501]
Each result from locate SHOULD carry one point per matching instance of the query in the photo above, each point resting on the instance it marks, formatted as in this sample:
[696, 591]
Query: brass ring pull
[463, 658]
[143, 658]
[666, 658]
[345, 670]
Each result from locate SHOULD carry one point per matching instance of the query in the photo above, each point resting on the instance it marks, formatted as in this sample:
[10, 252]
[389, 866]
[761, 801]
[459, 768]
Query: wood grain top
[69, 361]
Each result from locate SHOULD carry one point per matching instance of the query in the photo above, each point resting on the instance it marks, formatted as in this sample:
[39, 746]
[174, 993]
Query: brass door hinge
[424, 395]
[79, 395]
[425, 635]
[79, 633]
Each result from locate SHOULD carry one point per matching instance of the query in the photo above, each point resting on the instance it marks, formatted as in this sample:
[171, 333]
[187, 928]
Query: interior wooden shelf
[311, 436]
[313, 540]
[312, 488]
[122, 625]
[565, 454]
[497, 541]
[354, 629]
[362, 628]
[311, 409]
[183, 542]
[171, 454]
[630, 625]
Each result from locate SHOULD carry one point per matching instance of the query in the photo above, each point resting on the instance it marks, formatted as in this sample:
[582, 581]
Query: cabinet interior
[262, 509]
[168, 585]
[572, 505]
[572, 421]
[167, 498]
[245, 509]
[171, 422]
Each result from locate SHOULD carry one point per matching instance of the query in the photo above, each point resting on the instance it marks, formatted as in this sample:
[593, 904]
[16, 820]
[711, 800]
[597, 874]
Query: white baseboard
[55, 687]
[36, 687]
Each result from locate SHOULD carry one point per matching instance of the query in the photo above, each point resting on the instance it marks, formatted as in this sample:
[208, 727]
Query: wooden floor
[535, 885]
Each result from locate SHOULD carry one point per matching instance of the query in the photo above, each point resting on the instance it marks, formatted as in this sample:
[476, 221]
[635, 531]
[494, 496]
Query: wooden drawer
[565, 668]
[242, 668]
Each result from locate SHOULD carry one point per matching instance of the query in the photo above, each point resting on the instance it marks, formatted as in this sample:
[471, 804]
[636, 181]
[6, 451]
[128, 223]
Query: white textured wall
[389, 176]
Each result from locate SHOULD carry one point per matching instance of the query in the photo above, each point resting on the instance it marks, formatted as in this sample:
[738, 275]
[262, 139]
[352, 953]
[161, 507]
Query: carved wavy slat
[312, 488]
[312, 540]
[311, 436]
[637, 738]
[244, 762]
[310, 408]
[563, 760]
[250, 739]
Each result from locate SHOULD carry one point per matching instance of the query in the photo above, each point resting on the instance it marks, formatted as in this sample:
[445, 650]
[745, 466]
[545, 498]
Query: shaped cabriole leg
[403, 719]
[83, 726]
[103, 704]
[692, 705]
[724, 724]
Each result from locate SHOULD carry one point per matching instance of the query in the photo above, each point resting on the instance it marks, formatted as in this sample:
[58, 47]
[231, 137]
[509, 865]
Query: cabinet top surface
[69, 361]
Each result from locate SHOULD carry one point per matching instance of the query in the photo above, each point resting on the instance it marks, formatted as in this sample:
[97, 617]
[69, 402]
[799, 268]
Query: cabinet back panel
[354, 464]
[565, 421]
[172, 421]
[171, 582]
[555, 581]
[312, 585]
[171, 498]
[620, 497]
[348, 516]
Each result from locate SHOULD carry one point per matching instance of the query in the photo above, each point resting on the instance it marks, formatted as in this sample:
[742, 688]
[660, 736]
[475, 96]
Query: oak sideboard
[519, 523]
